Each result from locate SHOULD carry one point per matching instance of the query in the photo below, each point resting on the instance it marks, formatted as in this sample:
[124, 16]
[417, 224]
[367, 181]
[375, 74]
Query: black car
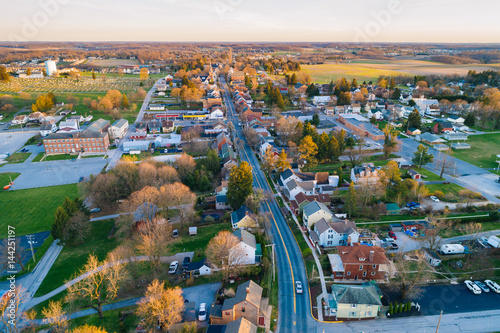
[185, 263]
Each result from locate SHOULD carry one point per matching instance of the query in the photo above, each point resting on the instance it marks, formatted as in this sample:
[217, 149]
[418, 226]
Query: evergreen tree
[312, 90]
[293, 80]
[240, 185]
[337, 91]
[470, 119]
[323, 146]
[354, 83]
[125, 102]
[334, 149]
[248, 82]
[279, 100]
[373, 120]
[344, 99]
[422, 156]
[331, 86]
[93, 75]
[392, 85]
[341, 179]
[391, 310]
[396, 94]
[315, 120]
[344, 85]
[414, 119]
[185, 81]
[61, 219]
[309, 130]
[411, 102]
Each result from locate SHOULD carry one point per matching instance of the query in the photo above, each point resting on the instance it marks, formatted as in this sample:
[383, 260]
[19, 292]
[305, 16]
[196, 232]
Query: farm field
[483, 151]
[370, 70]
[32, 210]
[114, 62]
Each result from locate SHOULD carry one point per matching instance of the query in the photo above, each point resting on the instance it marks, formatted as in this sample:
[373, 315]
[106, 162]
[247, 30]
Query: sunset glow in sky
[255, 20]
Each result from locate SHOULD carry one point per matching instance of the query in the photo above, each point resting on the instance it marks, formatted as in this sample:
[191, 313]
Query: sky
[451, 21]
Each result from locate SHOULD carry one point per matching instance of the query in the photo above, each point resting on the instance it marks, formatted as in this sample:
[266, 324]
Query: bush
[391, 310]
[439, 194]
[306, 253]
[190, 282]
[494, 216]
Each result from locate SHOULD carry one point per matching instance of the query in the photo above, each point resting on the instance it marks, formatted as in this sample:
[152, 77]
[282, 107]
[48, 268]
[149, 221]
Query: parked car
[39, 143]
[173, 267]
[175, 233]
[493, 285]
[394, 246]
[185, 263]
[81, 179]
[482, 286]
[298, 287]
[392, 235]
[95, 210]
[202, 312]
[472, 287]
[433, 198]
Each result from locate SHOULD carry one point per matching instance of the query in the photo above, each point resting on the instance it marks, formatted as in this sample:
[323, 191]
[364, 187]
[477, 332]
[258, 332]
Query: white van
[493, 285]
[472, 287]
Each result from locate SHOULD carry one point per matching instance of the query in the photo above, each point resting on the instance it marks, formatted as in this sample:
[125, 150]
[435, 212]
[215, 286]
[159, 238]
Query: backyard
[31, 210]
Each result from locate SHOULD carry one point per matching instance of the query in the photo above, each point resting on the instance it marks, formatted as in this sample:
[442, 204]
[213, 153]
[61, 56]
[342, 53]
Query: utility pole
[31, 242]
[272, 251]
[439, 322]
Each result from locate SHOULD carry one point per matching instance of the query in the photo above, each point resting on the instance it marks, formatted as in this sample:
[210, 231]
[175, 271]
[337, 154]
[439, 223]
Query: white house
[315, 211]
[377, 114]
[249, 247]
[433, 110]
[336, 233]
[216, 114]
[291, 189]
[356, 108]
[46, 129]
[199, 268]
[317, 100]
[118, 129]
[69, 126]
[454, 119]
[157, 107]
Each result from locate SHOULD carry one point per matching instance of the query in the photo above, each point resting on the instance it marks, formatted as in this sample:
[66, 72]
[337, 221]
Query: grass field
[483, 151]
[450, 189]
[71, 259]
[431, 177]
[370, 70]
[60, 157]
[18, 157]
[114, 62]
[32, 210]
[38, 157]
[6, 177]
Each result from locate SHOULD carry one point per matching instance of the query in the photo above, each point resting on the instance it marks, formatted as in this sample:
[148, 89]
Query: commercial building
[118, 129]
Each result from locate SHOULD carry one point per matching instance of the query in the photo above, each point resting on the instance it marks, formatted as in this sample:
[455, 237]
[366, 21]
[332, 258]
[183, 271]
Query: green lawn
[38, 157]
[60, 157]
[6, 177]
[451, 188]
[431, 177]
[111, 320]
[327, 167]
[18, 157]
[71, 259]
[198, 243]
[483, 151]
[32, 210]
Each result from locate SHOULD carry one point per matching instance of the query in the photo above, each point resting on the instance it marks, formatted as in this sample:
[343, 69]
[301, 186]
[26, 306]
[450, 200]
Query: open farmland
[114, 62]
[370, 70]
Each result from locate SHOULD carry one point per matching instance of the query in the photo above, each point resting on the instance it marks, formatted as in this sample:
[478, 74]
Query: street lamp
[31, 242]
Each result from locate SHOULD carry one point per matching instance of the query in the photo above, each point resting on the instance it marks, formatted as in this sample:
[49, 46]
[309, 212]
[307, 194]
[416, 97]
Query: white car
[472, 287]
[493, 285]
[433, 198]
[202, 312]
[173, 267]
[298, 287]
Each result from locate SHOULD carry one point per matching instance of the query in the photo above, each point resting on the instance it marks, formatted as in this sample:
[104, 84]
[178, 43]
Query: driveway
[407, 243]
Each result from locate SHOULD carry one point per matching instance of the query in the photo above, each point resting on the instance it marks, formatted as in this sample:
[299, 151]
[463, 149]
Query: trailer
[453, 249]
[494, 241]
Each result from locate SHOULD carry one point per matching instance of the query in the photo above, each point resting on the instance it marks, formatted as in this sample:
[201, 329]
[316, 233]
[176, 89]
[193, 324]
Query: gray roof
[286, 174]
[98, 126]
[431, 137]
[254, 295]
[315, 206]
[246, 237]
[355, 294]
[308, 186]
[120, 122]
[341, 227]
[46, 127]
[291, 184]
[240, 325]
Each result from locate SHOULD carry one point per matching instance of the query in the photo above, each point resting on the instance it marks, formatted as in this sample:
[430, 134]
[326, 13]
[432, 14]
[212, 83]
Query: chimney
[370, 258]
[248, 290]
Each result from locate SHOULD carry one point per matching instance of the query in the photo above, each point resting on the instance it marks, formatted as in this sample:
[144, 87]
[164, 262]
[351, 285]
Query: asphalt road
[294, 310]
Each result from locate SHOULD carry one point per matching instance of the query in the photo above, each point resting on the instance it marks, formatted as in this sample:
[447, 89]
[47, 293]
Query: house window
[348, 273]
[227, 313]
[242, 309]
[364, 274]
[360, 267]
[374, 266]
[354, 306]
[368, 314]
[373, 273]
[352, 314]
[329, 243]
[330, 236]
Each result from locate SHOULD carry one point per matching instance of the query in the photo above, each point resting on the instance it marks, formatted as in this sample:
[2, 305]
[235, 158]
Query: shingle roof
[355, 294]
[240, 213]
[359, 254]
[286, 174]
[254, 295]
[240, 325]
[315, 206]
[291, 184]
[246, 237]
[341, 227]
[197, 265]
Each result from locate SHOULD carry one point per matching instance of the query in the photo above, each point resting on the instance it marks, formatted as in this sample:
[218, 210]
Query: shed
[396, 227]
[432, 257]
[199, 268]
[193, 231]
[414, 175]
[393, 209]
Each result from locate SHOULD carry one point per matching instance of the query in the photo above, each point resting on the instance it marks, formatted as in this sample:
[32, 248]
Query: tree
[161, 306]
[308, 151]
[143, 74]
[93, 75]
[125, 102]
[444, 163]
[470, 119]
[414, 119]
[181, 198]
[293, 79]
[10, 309]
[315, 119]
[185, 165]
[441, 226]
[396, 94]
[28, 71]
[282, 164]
[254, 200]
[391, 173]
[89, 329]
[4, 75]
[373, 120]
[344, 98]
[392, 85]
[391, 142]
[101, 284]
[411, 103]
[351, 200]
[312, 90]
[56, 316]
[224, 252]
[61, 219]
[411, 274]
[422, 156]
[240, 185]
[191, 136]
[288, 130]
[77, 228]
[151, 241]
[268, 160]
[187, 328]
[252, 136]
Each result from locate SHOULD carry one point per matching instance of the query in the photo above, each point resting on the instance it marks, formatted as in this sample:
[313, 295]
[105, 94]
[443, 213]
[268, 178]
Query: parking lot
[455, 299]
[12, 142]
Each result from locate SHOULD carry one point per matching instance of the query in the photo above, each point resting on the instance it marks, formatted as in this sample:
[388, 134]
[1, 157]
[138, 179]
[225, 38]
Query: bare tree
[411, 274]
[56, 316]
[190, 136]
[434, 236]
[77, 229]
[182, 199]
[100, 285]
[444, 163]
[224, 252]
[185, 165]
[143, 203]
[161, 307]
[10, 309]
[151, 241]
[167, 174]
[251, 136]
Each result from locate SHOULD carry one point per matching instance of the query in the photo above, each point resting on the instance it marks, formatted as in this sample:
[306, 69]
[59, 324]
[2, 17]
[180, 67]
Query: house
[248, 245]
[452, 136]
[442, 126]
[154, 126]
[69, 126]
[167, 126]
[199, 268]
[413, 131]
[393, 209]
[361, 126]
[360, 262]
[430, 139]
[454, 119]
[46, 129]
[321, 100]
[22, 119]
[367, 173]
[118, 129]
[335, 233]
[315, 211]
[240, 325]
[302, 199]
[432, 257]
[243, 218]
[356, 108]
[433, 110]
[248, 303]
[291, 189]
[78, 118]
[355, 302]
[414, 175]
[221, 202]
[37, 116]
[141, 127]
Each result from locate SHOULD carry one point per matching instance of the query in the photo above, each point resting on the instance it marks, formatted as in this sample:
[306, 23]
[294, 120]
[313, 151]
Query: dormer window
[361, 259]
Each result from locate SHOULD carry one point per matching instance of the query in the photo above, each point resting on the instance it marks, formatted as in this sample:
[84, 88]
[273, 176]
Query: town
[229, 188]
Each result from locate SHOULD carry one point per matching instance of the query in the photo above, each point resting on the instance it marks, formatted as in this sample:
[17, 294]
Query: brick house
[360, 263]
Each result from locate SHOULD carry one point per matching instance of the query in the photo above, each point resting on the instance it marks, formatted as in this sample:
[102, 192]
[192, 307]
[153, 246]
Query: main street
[294, 309]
